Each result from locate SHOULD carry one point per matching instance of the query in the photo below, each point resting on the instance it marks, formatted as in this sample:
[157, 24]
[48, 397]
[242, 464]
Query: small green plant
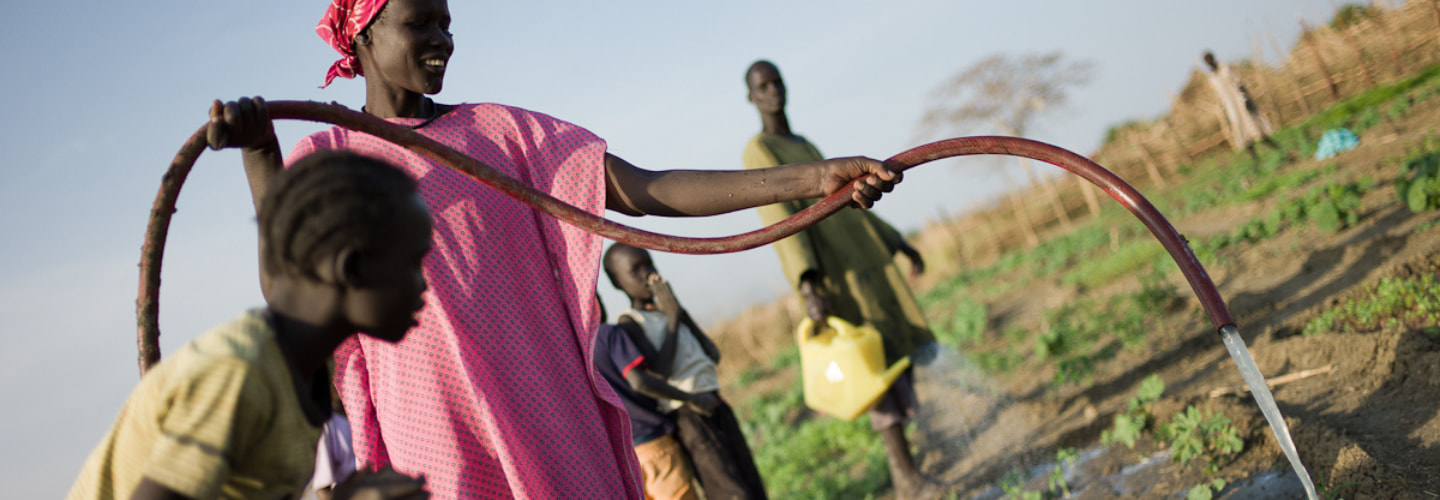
[1106, 268]
[1410, 302]
[966, 324]
[1337, 206]
[1120, 321]
[1068, 343]
[1057, 481]
[1199, 199]
[1365, 119]
[1156, 295]
[1418, 185]
[1268, 185]
[996, 361]
[747, 377]
[1206, 491]
[1398, 108]
[1332, 492]
[1348, 113]
[785, 359]
[1056, 342]
[817, 458]
[1129, 424]
[1195, 434]
[1013, 484]
[1076, 369]
[1332, 207]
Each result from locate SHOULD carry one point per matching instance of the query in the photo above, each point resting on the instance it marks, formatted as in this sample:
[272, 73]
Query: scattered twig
[1283, 379]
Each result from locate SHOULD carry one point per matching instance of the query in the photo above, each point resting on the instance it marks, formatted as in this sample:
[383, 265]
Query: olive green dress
[853, 252]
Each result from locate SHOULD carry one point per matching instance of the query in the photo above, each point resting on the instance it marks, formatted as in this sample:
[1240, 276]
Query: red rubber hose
[148, 307]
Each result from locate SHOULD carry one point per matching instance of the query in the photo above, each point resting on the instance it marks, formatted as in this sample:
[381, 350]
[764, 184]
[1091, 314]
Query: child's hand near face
[665, 300]
[385, 484]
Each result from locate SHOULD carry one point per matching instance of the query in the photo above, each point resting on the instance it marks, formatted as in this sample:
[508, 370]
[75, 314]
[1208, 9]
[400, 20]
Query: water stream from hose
[1261, 391]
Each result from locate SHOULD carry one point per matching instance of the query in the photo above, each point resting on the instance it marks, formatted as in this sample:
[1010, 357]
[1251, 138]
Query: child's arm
[815, 304]
[917, 263]
[666, 302]
[245, 123]
[678, 193]
[705, 343]
[658, 360]
[650, 384]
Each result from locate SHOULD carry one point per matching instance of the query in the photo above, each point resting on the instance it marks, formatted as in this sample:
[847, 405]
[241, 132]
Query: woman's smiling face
[409, 46]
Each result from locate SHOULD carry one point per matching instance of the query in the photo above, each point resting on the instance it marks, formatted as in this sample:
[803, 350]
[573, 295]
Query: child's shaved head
[324, 202]
[613, 258]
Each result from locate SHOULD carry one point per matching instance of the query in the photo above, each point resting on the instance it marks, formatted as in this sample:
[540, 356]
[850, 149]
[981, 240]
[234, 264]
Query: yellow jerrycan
[843, 367]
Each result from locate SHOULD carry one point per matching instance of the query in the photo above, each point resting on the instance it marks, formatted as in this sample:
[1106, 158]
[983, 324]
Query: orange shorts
[667, 469]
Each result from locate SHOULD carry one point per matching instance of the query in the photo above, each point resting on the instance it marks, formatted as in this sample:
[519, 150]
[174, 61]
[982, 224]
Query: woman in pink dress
[490, 396]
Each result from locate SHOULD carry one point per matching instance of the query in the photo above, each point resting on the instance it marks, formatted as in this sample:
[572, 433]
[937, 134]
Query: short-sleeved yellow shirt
[219, 419]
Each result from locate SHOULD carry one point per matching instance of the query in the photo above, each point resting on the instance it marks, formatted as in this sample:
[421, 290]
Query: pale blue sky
[99, 95]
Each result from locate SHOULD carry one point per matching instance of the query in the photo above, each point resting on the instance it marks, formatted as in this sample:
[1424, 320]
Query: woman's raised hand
[838, 172]
[242, 123]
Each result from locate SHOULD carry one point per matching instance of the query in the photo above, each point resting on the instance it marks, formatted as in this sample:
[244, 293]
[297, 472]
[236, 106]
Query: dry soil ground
[1373, 419]
[1371, 423]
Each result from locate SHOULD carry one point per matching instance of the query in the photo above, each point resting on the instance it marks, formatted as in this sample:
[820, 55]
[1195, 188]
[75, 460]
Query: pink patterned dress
[491, 395]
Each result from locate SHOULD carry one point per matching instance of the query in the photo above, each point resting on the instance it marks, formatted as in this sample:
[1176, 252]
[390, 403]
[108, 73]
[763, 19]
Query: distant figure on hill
[844, 266]
[1246, 124]
[677, 368]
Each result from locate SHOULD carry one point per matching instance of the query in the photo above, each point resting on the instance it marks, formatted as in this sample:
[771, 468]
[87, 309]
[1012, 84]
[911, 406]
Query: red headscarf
[343, 20]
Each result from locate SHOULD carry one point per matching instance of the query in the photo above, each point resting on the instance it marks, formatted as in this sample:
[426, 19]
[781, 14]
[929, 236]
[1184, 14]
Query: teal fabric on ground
[1334, 142]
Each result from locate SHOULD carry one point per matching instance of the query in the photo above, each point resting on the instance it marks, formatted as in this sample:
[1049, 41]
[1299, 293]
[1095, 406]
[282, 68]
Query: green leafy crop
[1410, 302]
[1057, 482]
[1195, 434]
[1129, 424]
[1418, 185]
[1206, 491]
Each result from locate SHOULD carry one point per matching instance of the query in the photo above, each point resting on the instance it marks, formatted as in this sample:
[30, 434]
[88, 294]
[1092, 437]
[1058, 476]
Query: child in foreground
[678, 369]
[237, 412]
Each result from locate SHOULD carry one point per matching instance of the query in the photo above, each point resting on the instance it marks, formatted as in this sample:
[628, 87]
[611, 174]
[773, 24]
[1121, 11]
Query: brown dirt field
[1373, 420]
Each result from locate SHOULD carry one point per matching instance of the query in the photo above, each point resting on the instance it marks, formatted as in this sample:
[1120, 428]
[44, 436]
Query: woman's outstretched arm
[685, 193]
